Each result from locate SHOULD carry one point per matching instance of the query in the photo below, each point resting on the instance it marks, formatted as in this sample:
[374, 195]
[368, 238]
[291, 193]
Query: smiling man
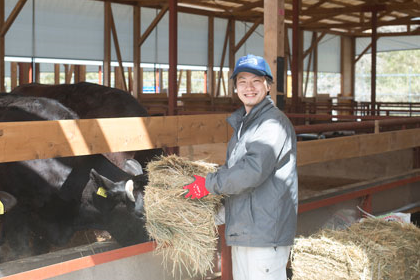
[259, 178]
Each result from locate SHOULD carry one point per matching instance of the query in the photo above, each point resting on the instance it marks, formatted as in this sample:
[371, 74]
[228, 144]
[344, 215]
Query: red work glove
[197, 189]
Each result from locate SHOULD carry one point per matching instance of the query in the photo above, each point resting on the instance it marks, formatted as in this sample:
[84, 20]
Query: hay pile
[373, 249]
[184, 229]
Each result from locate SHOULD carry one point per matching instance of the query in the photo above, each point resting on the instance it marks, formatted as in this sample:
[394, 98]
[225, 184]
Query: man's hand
[197, 189]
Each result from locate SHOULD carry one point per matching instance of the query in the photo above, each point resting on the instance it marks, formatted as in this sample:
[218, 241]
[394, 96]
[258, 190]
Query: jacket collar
[239, 116]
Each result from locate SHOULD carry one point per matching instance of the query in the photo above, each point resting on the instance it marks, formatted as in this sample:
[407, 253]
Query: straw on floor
[184, 229]
[373, 249]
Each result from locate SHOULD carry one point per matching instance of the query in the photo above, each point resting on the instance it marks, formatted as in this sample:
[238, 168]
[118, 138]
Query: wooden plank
[203, 129]
[37, 73]
[46, 139]
[356, 146]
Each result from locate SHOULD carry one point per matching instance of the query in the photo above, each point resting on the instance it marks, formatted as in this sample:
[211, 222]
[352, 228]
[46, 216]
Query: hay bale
[372, 249]
[184, 229]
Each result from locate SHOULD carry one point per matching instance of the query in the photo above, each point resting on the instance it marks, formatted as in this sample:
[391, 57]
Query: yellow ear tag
[1, 208]
[101, 192]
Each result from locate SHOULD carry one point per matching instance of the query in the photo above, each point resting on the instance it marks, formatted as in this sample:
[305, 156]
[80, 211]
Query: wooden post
[373, 70]
[353, 65]
[274, 34]
[137, 80]
[210, 59]
[173, 56]
[315, 70]
[100, 75]
[37, 73]
[56, 74]
[346, 66]
[13, 75]
[188, 81]
[295, 54]
[130, 80]
[231, 55]
[25, 73]
[79, 73]
[2, 48]
[107, 43]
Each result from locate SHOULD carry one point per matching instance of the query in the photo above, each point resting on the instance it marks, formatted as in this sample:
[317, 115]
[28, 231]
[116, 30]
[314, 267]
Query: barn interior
[358, 136]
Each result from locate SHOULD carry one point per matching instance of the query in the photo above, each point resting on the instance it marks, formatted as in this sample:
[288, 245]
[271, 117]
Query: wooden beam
[117, 49]
[248, 6]
[152, 25]
[68, 73]
[107, 44]
[137, 80]
[48, 139]
[373, 65]
[356, 146]
[2, 49]
[360, 8]
[295, 53]
[210, 59]
[274, 34]
[248, 34]
[231, 56]
[222, 61]
[313, 44]
[173, 57]
[179, 80]
[314, 37]
[11, 18]
[37, 73]
[363, 52]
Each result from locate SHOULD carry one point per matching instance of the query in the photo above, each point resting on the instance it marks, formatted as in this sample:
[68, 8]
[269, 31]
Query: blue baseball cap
[252, 64]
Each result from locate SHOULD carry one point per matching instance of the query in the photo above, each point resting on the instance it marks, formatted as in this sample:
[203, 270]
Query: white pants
[259, 263]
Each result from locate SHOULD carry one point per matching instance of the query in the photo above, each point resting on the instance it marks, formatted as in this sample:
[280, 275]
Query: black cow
[53, 198]
[91, 101]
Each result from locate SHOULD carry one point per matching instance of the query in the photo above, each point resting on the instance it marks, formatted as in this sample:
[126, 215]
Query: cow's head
[118, 205]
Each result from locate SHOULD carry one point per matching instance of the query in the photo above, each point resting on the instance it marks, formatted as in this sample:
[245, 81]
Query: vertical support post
[373, 69]
[56, 74]
[188, 81]
[13, 75]
[295, 54]
[231, 55]
[107, 43]
[315, 70]
[353, 65]
[226, 255]
[346, 66]
[37, 71]
[210, 59]
[137, 80]
[274, 36]
[173, 55]
[2, 49]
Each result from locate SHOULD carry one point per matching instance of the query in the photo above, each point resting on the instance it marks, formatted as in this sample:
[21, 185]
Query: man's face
[251, 89]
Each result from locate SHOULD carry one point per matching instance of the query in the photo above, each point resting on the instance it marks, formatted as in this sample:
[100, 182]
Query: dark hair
[267, 79]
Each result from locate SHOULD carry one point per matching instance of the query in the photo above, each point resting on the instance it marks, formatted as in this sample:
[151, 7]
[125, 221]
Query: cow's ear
[132, 167]
[101, 181]
[7, 202]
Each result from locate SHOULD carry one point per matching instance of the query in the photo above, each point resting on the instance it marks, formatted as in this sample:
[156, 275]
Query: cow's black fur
[56, 197]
